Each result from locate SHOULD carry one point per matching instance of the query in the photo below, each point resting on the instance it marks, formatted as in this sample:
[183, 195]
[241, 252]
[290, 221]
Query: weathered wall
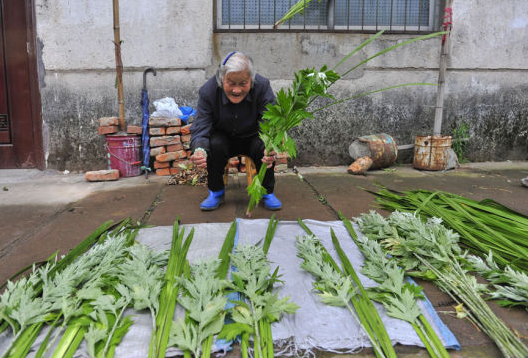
[77, 67]
[486, 84]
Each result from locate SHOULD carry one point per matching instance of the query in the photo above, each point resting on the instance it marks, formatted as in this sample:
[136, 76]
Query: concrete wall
[486, 84]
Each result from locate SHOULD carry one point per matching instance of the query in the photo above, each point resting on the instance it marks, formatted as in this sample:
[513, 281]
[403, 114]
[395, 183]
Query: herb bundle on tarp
[398, 296]
[53, 293]
[259, 306]
[167, 301]
[430, 250]
[292, 107]
[484, 226]
[342, 287]
[204, 299]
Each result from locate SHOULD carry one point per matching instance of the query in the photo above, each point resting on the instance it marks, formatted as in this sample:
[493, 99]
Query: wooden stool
[251, 170]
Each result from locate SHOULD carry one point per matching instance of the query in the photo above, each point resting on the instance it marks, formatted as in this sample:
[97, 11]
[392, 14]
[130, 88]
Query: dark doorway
[20, 116]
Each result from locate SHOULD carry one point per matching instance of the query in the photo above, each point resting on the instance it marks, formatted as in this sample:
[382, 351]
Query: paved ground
[43, 212]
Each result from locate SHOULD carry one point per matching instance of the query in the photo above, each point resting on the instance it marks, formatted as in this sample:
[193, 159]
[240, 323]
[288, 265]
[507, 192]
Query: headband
[227, 58]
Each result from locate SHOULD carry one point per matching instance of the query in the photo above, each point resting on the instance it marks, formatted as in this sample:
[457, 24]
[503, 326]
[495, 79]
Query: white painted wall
[487, 79]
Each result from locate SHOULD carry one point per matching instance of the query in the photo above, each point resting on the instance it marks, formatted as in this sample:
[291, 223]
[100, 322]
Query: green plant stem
[22, 343]
[44, 345]
[371, 92]
[73, 335]
[175, 268]
[271, 353]
[244, 344]
[419, 38]
[374, 319]
[116, 323]
[455, 282]
[433, 337]
[206, 347]
[257, 339]
[253, 199]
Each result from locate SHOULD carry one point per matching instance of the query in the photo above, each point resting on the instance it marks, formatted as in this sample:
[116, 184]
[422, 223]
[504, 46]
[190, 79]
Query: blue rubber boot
[213, 201]
[271, 202]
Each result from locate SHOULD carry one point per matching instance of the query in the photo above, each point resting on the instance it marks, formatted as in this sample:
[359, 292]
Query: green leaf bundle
[204, 302]
[483, 226]
[342, 288]
[54, 285]
[397, 295]
[203, 298]
[253, 316]
[169, 293]
[292, 106]
[432, 250]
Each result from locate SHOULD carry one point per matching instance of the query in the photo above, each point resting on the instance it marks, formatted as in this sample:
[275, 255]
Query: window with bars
[328, 15]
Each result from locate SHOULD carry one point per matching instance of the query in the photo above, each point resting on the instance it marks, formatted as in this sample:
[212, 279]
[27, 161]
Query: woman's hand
[269, 158]
[199, 158]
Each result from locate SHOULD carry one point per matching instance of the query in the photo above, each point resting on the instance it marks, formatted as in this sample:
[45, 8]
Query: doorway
[20, 113]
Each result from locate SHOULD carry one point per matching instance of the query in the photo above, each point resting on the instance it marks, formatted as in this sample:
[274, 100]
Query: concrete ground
[47, 211]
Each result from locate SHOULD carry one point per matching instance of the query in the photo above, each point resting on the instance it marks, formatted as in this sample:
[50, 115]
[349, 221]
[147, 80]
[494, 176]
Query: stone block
[161, 165]
[164, 140]
[170, 156]
[173, 130]
[102, 175]
[156, 131]
[164, 122]
[157, 151]
[135, 130]
[108, 121]
[163, 172]
[174, 147]
[107, 130]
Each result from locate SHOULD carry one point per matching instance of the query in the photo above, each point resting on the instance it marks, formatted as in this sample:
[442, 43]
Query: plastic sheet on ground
[314, 326]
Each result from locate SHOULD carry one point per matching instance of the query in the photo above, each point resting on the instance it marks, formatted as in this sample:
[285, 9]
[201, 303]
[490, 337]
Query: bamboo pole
[444, 52]
[119, 66]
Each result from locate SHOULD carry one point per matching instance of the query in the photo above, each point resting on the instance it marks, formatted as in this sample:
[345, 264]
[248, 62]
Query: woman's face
[237, 85]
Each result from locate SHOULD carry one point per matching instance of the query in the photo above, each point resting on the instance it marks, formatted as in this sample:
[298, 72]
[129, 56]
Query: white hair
[235, 62]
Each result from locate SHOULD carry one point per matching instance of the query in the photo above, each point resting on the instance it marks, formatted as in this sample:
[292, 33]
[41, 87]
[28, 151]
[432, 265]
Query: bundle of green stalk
[398, 296]
[260, 307]
[343, 288]
[176, 267]
[431, 251]
[484, 226]
[293, 106]
[76, 296]
[204, 299]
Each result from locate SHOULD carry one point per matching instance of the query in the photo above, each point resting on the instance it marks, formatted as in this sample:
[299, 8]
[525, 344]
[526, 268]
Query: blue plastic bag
[186, 113]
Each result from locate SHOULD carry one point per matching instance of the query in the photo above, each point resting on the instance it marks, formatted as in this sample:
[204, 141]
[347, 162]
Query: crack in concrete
[152, 207]
[320, 197]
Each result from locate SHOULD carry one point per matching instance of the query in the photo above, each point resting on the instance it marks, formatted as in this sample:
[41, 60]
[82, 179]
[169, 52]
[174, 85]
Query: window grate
[329, 15]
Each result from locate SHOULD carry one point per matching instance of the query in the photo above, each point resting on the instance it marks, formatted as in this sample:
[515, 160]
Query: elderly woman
[230, 108]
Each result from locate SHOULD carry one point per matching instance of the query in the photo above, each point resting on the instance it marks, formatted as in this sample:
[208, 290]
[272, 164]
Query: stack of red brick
[110, 125]
[170, 144]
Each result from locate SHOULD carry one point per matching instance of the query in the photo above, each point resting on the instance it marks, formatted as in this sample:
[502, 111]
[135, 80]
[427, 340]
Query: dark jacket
[216, 113]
